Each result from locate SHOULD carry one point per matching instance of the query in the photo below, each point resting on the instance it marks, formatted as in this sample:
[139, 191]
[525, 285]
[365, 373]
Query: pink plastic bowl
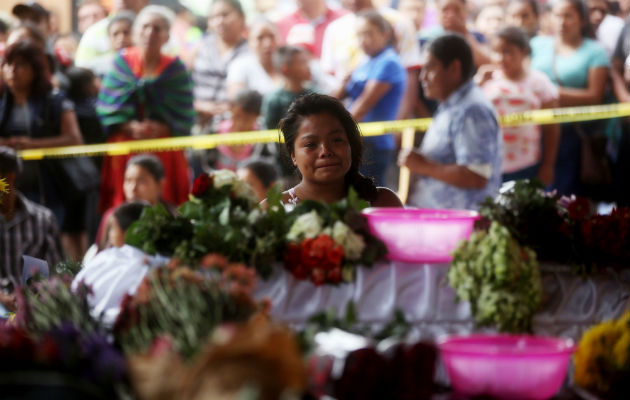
[506, 366]
[420, 235]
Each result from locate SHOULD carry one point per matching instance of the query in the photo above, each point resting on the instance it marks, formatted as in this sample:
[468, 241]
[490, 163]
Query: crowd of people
[142, 71]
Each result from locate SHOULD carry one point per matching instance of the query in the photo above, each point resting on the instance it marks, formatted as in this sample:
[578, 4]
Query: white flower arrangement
[353, 244]
[306, 226]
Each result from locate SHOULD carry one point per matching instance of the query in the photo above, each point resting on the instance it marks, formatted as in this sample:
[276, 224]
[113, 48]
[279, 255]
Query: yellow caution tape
[539, 117]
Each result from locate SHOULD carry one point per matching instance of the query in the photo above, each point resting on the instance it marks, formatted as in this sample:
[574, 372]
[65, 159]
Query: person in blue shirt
[376, 89]
[458, 164]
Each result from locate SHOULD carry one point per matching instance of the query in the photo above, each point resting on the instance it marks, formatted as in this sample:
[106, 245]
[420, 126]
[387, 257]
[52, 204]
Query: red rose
[201, 185]
[334, 275]
[318, 276]
[579, 208]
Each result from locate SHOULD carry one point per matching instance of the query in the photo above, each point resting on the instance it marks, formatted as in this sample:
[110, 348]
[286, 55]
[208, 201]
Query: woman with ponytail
[325, 146]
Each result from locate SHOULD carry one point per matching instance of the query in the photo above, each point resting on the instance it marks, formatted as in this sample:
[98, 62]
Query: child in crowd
[260, 174]
[514, 88]
[245, 110]
[122, 218]
[119, 30]
[293, 64]
[144, 179]
[83, 90]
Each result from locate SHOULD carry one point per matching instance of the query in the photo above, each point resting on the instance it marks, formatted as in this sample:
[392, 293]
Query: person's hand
[20, 142]
[412, 160]
[155, 129]
[545, 174]
[484, 73]
[134, 129]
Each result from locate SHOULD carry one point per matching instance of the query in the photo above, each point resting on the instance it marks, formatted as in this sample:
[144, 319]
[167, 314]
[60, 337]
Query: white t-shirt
[341, 52]
[608, 32]
[249, 72]
[521, 144]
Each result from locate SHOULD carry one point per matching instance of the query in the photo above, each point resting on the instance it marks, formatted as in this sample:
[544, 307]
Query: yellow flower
[602, 351]
[4, 186]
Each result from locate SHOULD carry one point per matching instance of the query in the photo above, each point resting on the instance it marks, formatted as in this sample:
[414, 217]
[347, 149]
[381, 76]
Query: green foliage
[397, 328]
[50, 304]
[532, 217]
[68, 267]
[157, 231]
[499, 278]
[179, 304]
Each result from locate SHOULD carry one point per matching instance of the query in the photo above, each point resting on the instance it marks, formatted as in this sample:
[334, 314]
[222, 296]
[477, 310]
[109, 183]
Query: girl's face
[120, 35]
[371, 38]
[510, 57]
[115, 235]
[263, 40]
[242, 120]
[139, 184]
[152, 33]
[521, 15]
[18, 75]
[566, 20]
[321, 150]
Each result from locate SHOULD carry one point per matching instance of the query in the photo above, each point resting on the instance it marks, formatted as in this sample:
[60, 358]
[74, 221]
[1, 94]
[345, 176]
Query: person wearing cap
[34, 12]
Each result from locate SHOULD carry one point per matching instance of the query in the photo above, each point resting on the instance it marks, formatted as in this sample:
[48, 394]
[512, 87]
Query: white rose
[353, 244]
[305, 226]
[224, 177]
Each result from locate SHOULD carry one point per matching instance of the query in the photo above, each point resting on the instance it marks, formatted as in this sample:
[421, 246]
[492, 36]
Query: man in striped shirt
[26, 228]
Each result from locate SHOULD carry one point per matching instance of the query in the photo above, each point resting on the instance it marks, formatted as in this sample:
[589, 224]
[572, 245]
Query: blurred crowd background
[91, 71]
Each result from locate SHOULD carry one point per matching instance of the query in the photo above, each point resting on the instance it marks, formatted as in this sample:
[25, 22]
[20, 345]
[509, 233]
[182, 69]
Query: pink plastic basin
[420, 235]
[506, 366]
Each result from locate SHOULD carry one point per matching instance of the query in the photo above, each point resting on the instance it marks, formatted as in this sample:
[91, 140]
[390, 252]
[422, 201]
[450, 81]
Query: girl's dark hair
[450, 47]
[515, 36]
[235, 4]
[122, 16]
[150, 163]
[532, 3]
[265, 171]
[32, 54]
[580, 6]
[248, 100]
[80, 79]
[376, 19]
[128, 213]
[314, 103]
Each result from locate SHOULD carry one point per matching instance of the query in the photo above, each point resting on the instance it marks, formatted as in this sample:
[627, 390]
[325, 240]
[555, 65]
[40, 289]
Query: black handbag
[73, 177]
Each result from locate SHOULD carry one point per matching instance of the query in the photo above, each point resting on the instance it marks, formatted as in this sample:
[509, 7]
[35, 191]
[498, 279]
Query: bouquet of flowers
[561, 229]
[602, 360]
[64, 362]
[599, 239]
[325, 243]
[222, 216]
[53, 335]
[499, 278]
[185, 305]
